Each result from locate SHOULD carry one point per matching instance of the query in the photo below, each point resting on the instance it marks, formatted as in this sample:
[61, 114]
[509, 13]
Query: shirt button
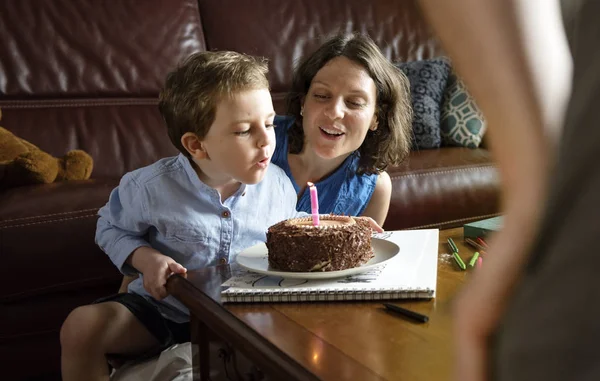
[225, 214]
[222, 261]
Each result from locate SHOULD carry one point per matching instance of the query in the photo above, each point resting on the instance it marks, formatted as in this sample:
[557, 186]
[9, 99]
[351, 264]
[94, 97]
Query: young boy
[198, 209]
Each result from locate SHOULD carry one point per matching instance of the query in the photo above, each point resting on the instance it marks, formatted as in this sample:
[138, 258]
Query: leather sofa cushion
[443, 188]
[65, 48]
[286, 31]
[47, 238]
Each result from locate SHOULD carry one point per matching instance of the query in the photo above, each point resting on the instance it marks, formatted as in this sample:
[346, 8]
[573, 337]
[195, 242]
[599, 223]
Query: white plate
[255, 259]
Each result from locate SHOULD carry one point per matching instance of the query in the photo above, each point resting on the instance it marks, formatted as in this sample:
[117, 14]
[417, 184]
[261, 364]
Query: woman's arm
[514, 59]
[379, 204]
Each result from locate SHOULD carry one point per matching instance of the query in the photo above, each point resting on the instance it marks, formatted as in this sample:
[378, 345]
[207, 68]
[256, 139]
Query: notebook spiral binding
[315, 295]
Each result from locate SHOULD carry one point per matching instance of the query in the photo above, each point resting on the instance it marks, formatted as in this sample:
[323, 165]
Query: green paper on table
[482, 228]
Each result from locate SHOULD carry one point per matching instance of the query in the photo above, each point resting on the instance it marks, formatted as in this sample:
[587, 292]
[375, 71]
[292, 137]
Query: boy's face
[241, 140]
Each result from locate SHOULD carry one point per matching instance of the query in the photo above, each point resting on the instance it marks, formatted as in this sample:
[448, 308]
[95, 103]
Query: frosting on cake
[337, 243]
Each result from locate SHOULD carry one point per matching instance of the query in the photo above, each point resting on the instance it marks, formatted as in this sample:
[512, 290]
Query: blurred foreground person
[532, 311]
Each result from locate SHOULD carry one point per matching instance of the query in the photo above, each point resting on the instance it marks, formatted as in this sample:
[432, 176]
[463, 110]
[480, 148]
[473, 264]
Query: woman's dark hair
[390, 142]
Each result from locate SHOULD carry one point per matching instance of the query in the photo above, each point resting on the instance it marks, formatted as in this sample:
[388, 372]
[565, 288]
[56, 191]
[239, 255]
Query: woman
[349, 119]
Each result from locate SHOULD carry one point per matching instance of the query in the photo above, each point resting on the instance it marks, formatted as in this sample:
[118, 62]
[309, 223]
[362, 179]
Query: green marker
[459, 261]
[474, 259]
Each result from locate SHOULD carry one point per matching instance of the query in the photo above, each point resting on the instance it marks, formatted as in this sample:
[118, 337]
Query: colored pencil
[474, 259]
[475, 244]
[482, 242]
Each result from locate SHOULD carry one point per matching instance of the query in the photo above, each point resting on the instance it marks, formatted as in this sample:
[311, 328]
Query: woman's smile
[331, 133]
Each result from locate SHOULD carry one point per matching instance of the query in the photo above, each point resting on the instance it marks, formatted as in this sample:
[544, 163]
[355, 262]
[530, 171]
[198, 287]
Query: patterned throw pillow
[462, 123]
[428, 79]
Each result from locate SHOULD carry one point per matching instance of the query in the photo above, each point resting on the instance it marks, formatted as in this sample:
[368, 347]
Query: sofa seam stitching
[479, 168]
[46, 222]
[17, 105]
[48, 215]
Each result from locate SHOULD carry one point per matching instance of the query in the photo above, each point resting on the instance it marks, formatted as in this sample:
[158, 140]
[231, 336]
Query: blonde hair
[191, 93]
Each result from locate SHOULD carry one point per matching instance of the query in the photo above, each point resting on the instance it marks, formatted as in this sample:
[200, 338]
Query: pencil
[482, 242]
[475, 244]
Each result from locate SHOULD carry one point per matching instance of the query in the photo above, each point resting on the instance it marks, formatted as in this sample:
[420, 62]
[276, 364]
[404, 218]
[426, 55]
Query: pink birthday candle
[314, 203]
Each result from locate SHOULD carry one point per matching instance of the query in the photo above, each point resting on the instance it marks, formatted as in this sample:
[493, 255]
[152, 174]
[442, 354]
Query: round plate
[255, 259]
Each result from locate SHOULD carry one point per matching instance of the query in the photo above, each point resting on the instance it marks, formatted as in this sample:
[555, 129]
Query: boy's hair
[189, 99]
[390, 143]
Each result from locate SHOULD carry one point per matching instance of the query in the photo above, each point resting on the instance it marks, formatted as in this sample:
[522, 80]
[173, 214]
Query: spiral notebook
[412, 273]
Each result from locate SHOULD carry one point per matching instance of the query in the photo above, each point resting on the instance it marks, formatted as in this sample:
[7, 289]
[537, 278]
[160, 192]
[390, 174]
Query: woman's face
[339, 108]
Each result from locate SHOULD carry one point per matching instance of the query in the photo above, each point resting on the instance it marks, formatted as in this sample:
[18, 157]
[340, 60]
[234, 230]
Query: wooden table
[328, 341]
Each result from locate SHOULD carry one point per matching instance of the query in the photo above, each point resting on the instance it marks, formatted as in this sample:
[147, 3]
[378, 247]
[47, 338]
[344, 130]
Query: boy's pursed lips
[263, 161]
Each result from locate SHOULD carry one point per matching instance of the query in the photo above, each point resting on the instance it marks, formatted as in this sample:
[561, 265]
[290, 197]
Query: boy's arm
[121, 227]
[156, 268]
[122, 224]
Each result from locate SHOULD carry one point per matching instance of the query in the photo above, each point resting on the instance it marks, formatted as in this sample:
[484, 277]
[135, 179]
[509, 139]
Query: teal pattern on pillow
[462, 124]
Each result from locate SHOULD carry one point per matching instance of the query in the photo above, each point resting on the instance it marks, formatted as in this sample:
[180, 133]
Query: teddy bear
[22, 163]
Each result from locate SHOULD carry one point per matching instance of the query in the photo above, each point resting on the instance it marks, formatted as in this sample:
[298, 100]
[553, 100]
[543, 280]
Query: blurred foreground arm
[514, 59]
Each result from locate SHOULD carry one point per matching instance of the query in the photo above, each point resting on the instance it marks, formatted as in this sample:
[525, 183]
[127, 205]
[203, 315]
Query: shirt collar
[199, 184]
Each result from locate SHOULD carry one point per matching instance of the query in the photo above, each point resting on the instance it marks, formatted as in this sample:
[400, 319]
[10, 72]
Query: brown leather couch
[86, 74]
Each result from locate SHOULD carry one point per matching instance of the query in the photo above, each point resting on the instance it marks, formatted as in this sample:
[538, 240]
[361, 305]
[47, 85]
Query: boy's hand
[374, 225]
[156, 268]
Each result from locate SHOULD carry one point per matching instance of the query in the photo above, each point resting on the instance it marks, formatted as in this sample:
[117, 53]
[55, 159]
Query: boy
[217, 197]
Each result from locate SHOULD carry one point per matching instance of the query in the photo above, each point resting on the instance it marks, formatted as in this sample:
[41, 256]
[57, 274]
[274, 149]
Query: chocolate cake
[337, 243]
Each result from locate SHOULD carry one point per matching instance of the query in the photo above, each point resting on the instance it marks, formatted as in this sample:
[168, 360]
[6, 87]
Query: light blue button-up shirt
[166, 206]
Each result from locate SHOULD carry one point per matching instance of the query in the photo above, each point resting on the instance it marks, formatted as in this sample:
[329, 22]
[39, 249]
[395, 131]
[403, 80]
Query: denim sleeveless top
[343, 192]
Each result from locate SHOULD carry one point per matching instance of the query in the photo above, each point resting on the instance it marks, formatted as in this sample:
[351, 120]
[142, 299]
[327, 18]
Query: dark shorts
[166, 331]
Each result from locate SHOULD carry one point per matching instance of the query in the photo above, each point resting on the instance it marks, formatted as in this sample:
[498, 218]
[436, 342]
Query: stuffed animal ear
[75, 165]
